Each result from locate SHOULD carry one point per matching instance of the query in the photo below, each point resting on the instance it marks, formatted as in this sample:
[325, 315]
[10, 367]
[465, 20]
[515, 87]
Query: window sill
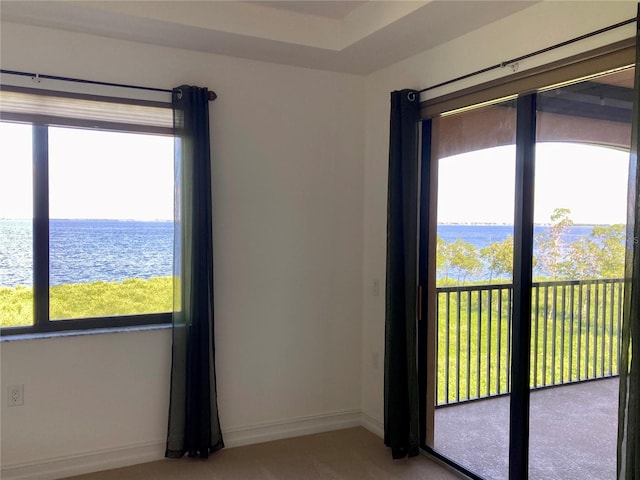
[77, 333]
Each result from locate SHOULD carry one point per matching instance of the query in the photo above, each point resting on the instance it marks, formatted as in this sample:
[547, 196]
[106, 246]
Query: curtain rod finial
[212, 95]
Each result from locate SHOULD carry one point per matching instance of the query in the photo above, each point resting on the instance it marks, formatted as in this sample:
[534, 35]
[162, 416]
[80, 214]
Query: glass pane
[476, 171]
[582, 162]
[16, 225]
[111, 223]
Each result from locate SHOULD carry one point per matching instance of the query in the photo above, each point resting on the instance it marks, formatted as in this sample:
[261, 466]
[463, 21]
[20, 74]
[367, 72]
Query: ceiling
[326, 8]
[345, 36]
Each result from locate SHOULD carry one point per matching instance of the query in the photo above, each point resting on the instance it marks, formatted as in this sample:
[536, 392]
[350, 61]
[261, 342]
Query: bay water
[114, 250]
[88, 250]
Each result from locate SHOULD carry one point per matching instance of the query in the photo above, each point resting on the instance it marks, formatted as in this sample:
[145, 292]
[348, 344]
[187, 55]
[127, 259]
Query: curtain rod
[529, 55]
[36, 76]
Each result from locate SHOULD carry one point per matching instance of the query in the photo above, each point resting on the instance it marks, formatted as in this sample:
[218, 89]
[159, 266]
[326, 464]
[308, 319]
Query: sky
[89, 176]
[591, 181]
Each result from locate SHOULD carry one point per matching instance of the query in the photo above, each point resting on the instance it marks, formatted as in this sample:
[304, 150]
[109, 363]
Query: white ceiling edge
[325, 8]
[237, 18]
[252, 19]
[374, 35]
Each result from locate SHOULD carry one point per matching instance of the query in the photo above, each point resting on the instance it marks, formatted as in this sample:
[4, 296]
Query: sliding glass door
[531, 205]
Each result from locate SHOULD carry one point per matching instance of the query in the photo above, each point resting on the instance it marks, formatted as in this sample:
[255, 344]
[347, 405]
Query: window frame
[616, 56]
[40, 243]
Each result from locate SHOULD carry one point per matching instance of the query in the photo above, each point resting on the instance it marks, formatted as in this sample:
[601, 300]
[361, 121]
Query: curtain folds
[401, 402]
[194, 426]
[629, 406]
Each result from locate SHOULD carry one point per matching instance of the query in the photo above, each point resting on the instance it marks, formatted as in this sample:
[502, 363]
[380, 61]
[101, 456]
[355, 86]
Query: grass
[85, 300]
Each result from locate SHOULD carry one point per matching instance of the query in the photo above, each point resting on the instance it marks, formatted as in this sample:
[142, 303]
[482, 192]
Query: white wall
[535, 28]
[287, 161]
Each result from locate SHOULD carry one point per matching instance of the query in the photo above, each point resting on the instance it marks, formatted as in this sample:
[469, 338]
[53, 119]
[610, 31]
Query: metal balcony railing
[575, 336]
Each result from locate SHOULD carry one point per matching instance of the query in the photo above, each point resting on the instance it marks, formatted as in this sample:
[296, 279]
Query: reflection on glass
[476, 170]
[111, 223]
[16, 225]
[580, 209]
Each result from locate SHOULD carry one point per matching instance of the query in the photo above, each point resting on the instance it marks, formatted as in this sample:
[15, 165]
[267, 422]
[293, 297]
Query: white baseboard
[295, 427]
[374, 426]
[88, 462]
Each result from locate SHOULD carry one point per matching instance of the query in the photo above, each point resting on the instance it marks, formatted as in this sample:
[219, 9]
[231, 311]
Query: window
[86, 212]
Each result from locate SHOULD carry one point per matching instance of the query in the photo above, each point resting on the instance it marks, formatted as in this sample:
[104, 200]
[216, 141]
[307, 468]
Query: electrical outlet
[15, 395]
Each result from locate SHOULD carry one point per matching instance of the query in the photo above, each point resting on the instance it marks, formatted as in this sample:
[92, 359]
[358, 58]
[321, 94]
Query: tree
[581, 260]
[442, 260]
[462, 258]
[610, 250]
[551, 246]
[441, 253]
[499, 257]
[600, 256]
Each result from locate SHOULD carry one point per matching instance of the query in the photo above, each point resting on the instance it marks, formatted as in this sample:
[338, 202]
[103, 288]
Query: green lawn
[95, 299]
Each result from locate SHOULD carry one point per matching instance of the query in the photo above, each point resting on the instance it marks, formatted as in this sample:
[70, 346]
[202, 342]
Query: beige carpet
[350, 454]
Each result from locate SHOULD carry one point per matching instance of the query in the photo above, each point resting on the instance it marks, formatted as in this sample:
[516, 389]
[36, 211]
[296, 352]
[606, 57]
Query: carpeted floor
[350, 454]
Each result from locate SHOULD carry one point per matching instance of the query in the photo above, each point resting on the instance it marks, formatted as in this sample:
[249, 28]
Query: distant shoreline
[472, 224]
[90, 220]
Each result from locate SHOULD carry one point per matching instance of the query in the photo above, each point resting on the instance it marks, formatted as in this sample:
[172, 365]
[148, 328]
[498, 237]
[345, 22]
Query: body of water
[88, 250]
[112, 250]
[482, 235]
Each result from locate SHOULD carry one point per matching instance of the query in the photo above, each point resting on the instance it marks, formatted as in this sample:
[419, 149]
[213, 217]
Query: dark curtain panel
[401, 425]
[194, 427]
[629, 408]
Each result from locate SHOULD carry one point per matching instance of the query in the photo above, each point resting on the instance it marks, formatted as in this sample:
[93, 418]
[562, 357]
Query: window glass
[582, 169]
[476, 170]
[111, 223]
[16, 225]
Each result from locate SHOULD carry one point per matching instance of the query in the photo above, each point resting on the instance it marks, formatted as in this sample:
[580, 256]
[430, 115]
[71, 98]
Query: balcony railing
[575, 336]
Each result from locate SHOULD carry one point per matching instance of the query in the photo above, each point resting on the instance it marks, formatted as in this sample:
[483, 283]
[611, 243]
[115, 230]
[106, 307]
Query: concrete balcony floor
[573, 432]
